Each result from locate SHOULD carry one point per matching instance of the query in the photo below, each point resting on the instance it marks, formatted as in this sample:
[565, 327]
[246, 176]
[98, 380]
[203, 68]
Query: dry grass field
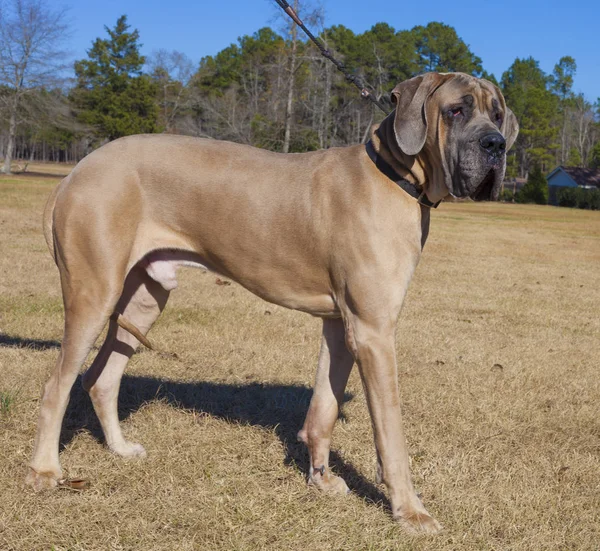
[498, 348]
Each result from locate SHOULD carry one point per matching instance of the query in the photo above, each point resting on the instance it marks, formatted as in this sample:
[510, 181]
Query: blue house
[570, 176]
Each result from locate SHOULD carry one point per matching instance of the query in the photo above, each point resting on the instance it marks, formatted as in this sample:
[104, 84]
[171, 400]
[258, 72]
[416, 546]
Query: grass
[498, 364]
[8, 399]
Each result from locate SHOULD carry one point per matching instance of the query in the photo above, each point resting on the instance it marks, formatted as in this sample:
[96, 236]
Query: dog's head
[460, 128]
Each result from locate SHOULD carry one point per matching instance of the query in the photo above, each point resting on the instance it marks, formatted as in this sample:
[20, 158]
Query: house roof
[581, 176]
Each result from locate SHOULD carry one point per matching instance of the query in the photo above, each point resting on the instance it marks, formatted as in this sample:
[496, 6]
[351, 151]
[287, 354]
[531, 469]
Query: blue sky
[497, 32]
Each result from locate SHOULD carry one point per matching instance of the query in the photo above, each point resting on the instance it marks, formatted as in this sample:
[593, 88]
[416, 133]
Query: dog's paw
[128, 450]
[329, 483]
[45, 480]
[417, 523]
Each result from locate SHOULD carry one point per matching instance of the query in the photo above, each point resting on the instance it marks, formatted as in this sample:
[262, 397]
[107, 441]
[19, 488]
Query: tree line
[270, 89]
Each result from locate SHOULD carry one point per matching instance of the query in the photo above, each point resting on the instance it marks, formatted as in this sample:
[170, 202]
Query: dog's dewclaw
[128, 326]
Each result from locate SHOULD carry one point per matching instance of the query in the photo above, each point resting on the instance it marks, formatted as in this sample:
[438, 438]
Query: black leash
[364, 92]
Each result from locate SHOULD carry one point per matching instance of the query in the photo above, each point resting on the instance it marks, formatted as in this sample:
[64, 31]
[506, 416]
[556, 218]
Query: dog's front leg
[371, 339]
[335, 364]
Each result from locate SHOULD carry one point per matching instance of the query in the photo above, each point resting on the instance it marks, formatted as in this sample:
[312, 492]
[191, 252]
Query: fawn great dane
[335, 233]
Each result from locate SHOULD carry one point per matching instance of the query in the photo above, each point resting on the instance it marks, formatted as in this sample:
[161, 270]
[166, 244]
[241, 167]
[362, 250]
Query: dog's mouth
[485, 190]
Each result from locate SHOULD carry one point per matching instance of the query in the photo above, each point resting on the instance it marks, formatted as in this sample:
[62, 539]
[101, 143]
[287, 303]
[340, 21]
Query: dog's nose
[494, 144]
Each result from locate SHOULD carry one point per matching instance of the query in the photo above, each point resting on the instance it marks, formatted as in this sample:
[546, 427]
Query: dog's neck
[410, 167]
[384, 141]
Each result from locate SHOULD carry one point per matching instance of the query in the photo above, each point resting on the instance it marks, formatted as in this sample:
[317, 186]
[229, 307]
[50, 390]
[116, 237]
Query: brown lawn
[498, 348]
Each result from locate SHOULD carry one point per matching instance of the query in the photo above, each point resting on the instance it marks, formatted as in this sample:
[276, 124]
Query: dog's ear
[510, 128]
[510, 125]
[410, 120]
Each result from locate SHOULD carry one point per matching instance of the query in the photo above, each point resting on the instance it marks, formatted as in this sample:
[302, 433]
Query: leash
[365, 93]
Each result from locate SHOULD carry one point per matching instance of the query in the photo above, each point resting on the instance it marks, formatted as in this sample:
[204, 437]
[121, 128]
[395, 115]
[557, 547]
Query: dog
[335, 233]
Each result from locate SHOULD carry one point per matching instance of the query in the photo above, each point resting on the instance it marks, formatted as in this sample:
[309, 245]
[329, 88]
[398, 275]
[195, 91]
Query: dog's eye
[455, 112]
[498, 118]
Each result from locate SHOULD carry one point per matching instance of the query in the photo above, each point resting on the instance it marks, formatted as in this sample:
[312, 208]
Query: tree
[583, 127]
[596, 156]
[293, 60]
[440, 49]
[47, 128]
[31, 58]
[172, 72]
[382, 56]
[535, 189]
[525, 88]
[574, 158]
[562, 84]
[239, 91]
[562, 76]
[112, 93]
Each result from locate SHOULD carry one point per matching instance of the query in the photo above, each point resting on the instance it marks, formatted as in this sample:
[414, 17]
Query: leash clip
[424, 200]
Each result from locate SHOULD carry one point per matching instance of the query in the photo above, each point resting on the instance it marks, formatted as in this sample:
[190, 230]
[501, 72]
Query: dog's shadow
[10, 341]
[279, 407]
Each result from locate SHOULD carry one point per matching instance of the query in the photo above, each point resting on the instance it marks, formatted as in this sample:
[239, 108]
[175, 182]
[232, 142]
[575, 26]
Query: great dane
[335, 233]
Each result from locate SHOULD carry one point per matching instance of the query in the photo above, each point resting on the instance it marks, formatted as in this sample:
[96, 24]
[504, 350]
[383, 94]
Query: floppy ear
[510, 128]
[410, 120]
[510, 125]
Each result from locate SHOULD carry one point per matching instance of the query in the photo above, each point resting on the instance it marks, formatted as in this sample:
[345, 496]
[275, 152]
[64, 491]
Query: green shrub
[535, 189]
[575, 197]
[507, 196]
[567, 197]
[593, 196]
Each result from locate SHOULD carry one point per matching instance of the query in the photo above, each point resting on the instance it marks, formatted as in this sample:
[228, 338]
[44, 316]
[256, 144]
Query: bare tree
[315, 18]
[31, 36]
[289, 108]
[584, 120]
[173, 72]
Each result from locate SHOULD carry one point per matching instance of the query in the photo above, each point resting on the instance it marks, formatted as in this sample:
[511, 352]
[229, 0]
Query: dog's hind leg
[335, 365]
[87, 309]
[142, 302]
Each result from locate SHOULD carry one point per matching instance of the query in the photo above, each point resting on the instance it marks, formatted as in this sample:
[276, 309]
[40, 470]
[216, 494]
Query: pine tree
[536, 188]
[525, 88]
[112, 93]
[441, 49]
